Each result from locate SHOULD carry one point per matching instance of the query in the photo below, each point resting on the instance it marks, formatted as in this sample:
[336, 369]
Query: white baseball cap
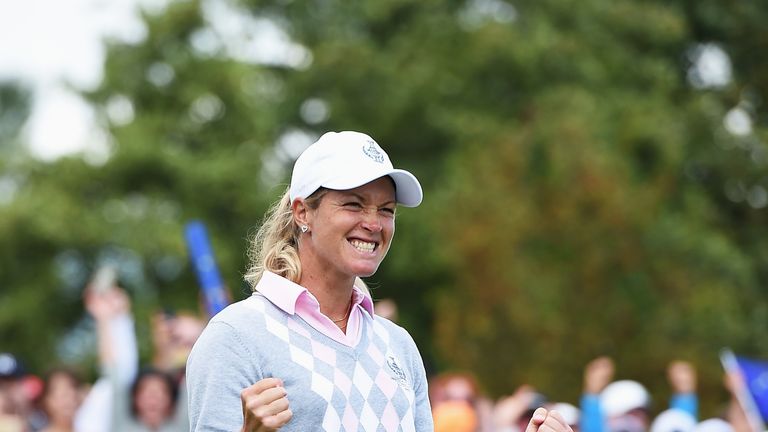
[620, 397]
[569, 412]
[673, 420]
[346, 160]
[713, 425]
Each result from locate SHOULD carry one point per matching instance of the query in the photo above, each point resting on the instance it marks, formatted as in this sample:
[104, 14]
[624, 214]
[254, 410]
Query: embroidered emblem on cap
[372, 151]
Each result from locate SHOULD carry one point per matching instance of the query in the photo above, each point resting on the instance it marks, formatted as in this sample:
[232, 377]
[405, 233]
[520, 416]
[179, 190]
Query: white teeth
[363, 246]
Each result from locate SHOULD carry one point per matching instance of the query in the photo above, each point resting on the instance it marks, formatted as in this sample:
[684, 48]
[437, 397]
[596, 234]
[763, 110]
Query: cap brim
[407, 188]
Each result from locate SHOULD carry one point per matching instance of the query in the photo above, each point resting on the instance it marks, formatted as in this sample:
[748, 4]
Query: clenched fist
[265, 406]
[544, 420]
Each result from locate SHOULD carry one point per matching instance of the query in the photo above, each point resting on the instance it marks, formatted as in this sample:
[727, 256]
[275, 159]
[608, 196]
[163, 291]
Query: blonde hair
[275, 246]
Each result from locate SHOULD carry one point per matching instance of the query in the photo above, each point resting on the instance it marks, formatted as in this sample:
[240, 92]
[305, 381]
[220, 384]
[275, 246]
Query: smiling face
[350, 231]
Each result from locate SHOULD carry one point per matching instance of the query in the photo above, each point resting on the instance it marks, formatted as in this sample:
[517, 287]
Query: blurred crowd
[606, 405]
[125, 397]
[130, 398]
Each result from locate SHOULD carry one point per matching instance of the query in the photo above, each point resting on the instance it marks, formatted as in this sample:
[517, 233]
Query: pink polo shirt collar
[294, 299]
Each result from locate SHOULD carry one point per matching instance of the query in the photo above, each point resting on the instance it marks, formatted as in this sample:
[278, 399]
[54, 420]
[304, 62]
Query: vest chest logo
[397, 373]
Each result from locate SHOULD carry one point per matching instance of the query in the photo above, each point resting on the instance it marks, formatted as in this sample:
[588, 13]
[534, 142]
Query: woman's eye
[354, 205]
[389, 211]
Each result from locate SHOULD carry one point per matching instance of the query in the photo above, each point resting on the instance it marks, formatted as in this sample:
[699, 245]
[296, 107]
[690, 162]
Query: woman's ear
[301, 215]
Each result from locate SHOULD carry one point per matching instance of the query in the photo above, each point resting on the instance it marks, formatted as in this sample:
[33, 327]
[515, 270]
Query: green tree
[580, 225]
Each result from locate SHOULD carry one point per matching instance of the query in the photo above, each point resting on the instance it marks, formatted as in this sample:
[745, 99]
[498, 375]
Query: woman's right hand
[265, 406]
[544, 420]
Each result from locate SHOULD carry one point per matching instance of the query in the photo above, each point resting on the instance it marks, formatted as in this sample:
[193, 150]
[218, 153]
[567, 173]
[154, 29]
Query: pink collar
[296, 300]
[285, 294]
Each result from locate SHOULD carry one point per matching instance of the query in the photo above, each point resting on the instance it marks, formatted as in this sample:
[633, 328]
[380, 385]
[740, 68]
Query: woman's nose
[371, 220]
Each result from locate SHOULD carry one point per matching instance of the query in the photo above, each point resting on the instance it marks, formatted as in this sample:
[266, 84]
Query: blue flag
[751, 387]
[201, 254]
[755, 375]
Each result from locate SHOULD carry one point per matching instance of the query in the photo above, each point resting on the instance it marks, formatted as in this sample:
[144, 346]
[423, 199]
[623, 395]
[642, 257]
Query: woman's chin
[366, 270]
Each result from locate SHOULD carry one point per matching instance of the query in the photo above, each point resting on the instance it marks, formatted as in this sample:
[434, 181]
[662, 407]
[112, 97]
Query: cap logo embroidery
[372, 151]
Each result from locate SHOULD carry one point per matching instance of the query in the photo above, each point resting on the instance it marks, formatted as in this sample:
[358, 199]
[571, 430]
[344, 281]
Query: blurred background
[595, 172]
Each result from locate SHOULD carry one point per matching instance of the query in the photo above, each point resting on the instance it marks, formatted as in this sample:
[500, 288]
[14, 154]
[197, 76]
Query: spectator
[714, 425]
[682, 380]
[117, 351]
[173, 336]
[454, 398]
[452, 387]
[512, 413]
[15, 399]
[60, 400]
[155, 404]
[455, 416]
[623, 406]
[673, 420]
[10, 420]
[11, 391]
[152, 402]
[626, 406]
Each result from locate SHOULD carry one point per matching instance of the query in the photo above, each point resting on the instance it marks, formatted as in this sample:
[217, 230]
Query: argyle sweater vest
[378, 385]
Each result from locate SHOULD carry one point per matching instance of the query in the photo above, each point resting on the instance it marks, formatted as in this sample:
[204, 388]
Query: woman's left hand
[544, 420]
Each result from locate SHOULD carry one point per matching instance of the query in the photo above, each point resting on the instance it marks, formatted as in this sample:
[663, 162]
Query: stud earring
[304, 228]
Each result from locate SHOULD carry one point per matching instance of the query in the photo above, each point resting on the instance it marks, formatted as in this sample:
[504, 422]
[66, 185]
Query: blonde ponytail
[274, 248]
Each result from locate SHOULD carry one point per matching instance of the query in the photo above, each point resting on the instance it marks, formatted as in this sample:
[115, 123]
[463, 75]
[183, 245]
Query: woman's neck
[334, 296]
[333, 293]
[332, 289]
